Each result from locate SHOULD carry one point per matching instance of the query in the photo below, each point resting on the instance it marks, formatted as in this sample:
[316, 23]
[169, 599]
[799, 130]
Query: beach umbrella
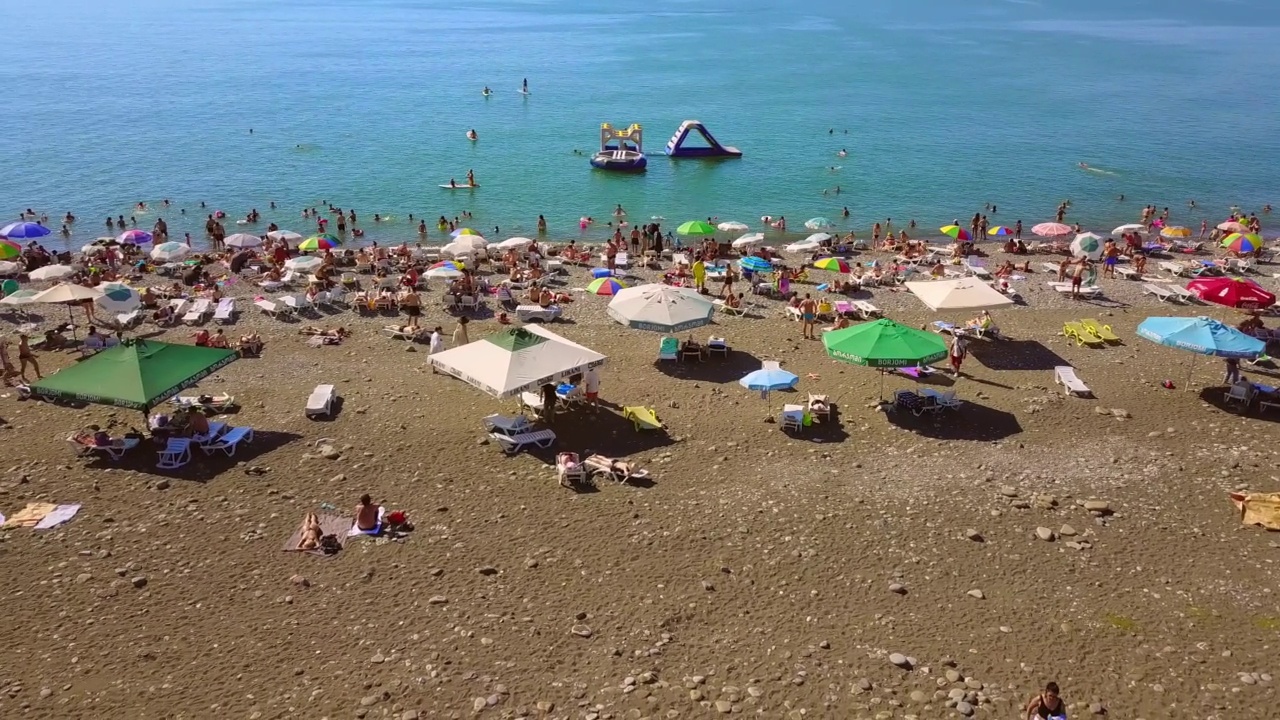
[1131, 227]
[170, 252]
[696, 228]
[733, 226]
[514, 243]
[1201, 335]
[1230, 226]
[137, 374]
[10, 268]
[1176, 232]
[818, 223]
[285, 235]
[967, 293]
[1000, 231]
[133, 237]
[303, 263]
[955, 232]
[92, 249]
[804, 246]
[9, 249]
[1087, 245]
[21, 297]
[464, 231]
[461, 249]
[1232, 292]
[516, 360]
[834, 265]
[447, 265]
[51, 272]
[769, 378]
[319, 242]
[447, 272]
[243, 240]
[749, 240]
[1052, 229]
[67, 294]
[661, 308]
[755, 264]
[118, 298]
[23, 231]
[884, 344]
[605, 286]
[1242, 242]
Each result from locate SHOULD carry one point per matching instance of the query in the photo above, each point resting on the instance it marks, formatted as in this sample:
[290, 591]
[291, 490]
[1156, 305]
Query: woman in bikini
[1046, 704]
[311, 533]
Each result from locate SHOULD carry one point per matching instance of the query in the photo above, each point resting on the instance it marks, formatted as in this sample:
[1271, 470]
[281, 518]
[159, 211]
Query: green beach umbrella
[697, 228]
[884, 344]
[137, 374]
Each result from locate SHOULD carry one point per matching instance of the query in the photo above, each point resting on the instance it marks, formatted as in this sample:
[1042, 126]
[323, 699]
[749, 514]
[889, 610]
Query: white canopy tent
[516, 360]
[960, 294]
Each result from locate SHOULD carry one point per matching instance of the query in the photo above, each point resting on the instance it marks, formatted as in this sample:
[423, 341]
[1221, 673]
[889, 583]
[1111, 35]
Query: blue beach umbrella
[23, 230]
[1201, 335]
[769, 377]
[755, 264]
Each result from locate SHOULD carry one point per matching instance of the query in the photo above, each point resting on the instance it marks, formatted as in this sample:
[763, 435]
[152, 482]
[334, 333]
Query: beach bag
[329, 544]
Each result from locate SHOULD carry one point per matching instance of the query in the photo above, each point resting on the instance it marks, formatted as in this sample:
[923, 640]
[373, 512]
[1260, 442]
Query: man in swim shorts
[808, 314]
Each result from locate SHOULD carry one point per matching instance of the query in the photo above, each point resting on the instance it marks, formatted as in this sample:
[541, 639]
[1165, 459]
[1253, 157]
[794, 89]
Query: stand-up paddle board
[447, 186]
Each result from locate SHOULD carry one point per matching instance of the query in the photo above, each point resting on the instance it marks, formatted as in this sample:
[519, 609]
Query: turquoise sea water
[365, 103]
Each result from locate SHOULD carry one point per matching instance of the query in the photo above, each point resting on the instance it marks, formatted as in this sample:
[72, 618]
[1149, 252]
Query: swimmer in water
[1085, 166]
[471, 134]
[487, 91]
[842, 153]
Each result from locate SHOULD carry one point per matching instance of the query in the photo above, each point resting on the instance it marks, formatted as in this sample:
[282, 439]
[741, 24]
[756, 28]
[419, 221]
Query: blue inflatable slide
[713, 148]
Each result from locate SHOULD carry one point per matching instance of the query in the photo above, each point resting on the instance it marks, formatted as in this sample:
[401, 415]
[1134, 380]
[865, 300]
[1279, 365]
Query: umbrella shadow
[1016, 355]
[203, 467]
[1217, 397]
[822, 430]
[602, 431]
[971, 421]
[726, 368]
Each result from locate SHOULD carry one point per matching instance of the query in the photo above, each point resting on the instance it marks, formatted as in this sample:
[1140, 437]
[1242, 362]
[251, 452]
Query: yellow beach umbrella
[1176, 232]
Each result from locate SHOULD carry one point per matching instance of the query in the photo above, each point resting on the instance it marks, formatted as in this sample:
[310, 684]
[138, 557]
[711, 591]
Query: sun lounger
[569, 469]
[83, 445]
[1065, 288]
[867, 309]
[1097, 329]
[197, 312]
[1128, 273]
[507, 424]
[531, 401]
[404, 332]
[321, 401]
[216, 403]
[645, 418]
[1050, 267]
[178, 306]
[615, 469]
[228, 441]
[512, 444]
[669, 348]
[127, 320]
[820, 406]
[977, 269]
[1161, 293]
[225, 311]
[717, 345]
[793, 313]
[915, 403]
[294, 302]
[792, 417]
[537, 313]
[1076, 331]
[1065, 375]
[1184, 294]
[722, 306]
[1241, 392]
[330, 525]
[176, 454]
[272, 309]
[945, 400]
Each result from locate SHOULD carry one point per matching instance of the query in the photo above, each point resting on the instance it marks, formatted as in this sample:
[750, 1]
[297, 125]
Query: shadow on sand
[1217, 397]
[980, 423]
[716, 368]
[203, 467]
[1015, 355]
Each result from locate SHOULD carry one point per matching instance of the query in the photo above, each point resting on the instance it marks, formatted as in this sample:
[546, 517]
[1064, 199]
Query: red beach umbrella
[1232, 292]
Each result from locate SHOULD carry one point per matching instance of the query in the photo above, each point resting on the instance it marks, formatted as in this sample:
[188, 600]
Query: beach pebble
[898, 588]
[1009, 491]
[1098, 507]
[378, 659]
[162, 484]
[582, 631]
[1066, 531]
[478, 704]
[973, 535]
[1044, 533]
[409, 715]
[83, 578]
[139, 581]
[1097, 709]
[724, 706]
[900, 660]
[976, 593]
[487, 570]
[329, 452]
[545, 706]
[300, 581]
[964, 708]
[952, 675]
[438, 600]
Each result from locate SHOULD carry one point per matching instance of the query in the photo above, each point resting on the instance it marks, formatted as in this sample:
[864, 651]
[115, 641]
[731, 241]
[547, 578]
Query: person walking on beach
[956, 353]
[1077, 278]
[591, 387]
[26, 357]
[437, 343]
[460, 333]
[1204, 228]
[808, 314]
[699, 270]
[1231, 378]
[1017, 230]
[1046, 704]
[1110, 256]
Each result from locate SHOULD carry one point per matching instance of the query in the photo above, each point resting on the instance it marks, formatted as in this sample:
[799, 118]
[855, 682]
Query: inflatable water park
[676, 147]
[621, 150]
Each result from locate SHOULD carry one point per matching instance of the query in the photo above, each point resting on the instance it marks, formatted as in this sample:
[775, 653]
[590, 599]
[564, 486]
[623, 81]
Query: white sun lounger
[176, 454]
[1161, 293]
[321, 401]
[722, 306]
[272, 309]
[531, 313]
[400, 333]
[1065, 288]
[114, 451]
[179, 307]
[294, 302]
[129, 319]
[1128, 273]
[228, 441]
[226, 309]
[1050, 267]
[1184, 294]
[867, 309]
[512, 444]
[1065, 375]
[198, 311]
[218, 403]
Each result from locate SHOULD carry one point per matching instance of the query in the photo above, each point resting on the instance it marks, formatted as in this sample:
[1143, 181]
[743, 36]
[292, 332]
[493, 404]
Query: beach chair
[507, 424]
[722, 306]
[178, 306]
[844, 308]
[175, 454]
[793, 313]
[338, 295]
[945, 400]
[976, 267]
[197, 311]
[622, 261]
[406, 333]
[718, 345]
[225, 311]
[213, 403]
[569, 469]
[127, 320]
[614, 469]
[669, 348]
[1163, 294]
[867, 310]
[914, 403]
[1050, 267]
[531, 401]
[1128, 273]
[468, 302]
[1184, 294]
[1065, 375]
[505, 298]
[537, 313]
[792, 417]
[1075, 331]
[271, 309]
[288, 278]
[294, 302]
[84, 446]
[1097, 329]
[1086, 290]
[820, 406]
[321, 401]
[1241, 392]
[645, 418]
[512, 444]
[228, 441]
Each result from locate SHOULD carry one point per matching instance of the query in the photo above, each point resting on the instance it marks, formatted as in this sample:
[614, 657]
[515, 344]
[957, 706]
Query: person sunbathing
[250, 345]
[1005, 270]
[219, 340]
[311, 533]
[619, 468]
[733, 301]
[983, 321]
[366, 514]
[841, 323]
[937, 270]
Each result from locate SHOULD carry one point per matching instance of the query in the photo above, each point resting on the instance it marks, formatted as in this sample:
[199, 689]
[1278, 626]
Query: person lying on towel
[310, 538]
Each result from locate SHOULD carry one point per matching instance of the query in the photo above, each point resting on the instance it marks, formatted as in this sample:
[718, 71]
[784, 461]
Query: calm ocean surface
[365, 103]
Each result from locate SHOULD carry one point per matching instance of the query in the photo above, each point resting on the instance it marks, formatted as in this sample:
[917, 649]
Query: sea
[941, 108]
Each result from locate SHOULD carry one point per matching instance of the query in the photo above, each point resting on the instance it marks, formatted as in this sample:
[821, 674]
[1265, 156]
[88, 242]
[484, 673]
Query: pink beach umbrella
[1053, 229]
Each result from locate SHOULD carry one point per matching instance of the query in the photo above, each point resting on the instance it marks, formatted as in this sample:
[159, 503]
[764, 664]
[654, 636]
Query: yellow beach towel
[1259, 509]
[31, 515]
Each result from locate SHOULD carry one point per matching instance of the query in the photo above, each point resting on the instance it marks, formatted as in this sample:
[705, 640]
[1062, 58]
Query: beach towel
[30, 515]
[377, 529]
[60, 515]
[1258, 509]
[330, 524]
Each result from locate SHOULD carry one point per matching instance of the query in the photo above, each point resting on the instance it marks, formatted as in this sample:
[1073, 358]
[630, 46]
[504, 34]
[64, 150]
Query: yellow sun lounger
[1076, 331]
[645, 418]
[1099, 330]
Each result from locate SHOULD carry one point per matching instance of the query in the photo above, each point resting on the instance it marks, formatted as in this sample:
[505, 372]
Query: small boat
[621, 150]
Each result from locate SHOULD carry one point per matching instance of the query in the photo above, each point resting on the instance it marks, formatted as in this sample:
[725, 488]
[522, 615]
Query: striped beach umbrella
[1242, 242]
[23, 231]
[1000, 231]
[833, 264]
[755, 264]
[605, 286]
[1053, 229]
[463, 231]
[170, 252]
[9, 249]
[955, 232]
[134, 237]
[323, 241]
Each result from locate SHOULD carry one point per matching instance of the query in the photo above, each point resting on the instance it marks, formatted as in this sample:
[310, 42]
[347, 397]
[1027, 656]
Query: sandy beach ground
[756, 574]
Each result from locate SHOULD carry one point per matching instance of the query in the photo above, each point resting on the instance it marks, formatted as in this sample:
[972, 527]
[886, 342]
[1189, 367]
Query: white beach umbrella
[966, 293]
[804, 246]
[286, 235]
[512, 243]
[243, 240]
[516, 360]
[1131, 227]
[10, 268]
[170, 252]
[303, 263]
[661, 308]
[475, 241]
[749, 240]
[733, 226]
[51, 272]
[118, 298]
[461, 249]
[67, 293]
[92, 249]
[1087, 245]
[21, 297]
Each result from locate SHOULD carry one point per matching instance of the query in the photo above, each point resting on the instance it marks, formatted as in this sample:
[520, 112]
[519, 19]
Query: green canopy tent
[884, 344]
[137, 374]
